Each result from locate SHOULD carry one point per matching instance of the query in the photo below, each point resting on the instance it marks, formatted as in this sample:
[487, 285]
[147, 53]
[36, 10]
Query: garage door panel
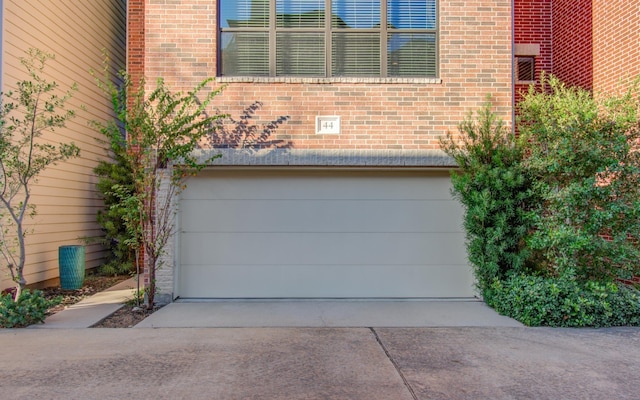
[321, 216]
[315, 281]
[321, 233]
[322, 248]
[354, 185]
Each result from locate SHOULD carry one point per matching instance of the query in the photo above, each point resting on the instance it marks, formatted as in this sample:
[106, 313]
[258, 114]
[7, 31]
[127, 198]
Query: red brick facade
[411, 114]
[590, 43]
[616, 43]
[572, 39]
[533, 25]
[587, 43]
[136, 39]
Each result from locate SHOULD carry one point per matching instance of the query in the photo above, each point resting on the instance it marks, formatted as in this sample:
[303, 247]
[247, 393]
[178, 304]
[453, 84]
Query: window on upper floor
[525, 69]
[328, 38]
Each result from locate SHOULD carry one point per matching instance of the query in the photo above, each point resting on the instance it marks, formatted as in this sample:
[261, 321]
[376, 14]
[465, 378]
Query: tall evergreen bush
[115, 178]
[496, 193]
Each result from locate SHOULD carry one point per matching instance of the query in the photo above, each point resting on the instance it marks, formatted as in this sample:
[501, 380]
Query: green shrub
[553, 217]
[115, 176]
[30, 308]
[496, 194]
[565, 301]
[583, 154]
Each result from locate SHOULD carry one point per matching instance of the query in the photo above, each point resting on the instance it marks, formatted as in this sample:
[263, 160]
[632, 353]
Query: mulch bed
[126, 317]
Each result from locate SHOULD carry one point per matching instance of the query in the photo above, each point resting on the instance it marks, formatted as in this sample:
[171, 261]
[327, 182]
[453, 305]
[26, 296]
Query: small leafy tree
[35, 108]
[496, 193]
[163, 130]
[238, 133]
[584, 154]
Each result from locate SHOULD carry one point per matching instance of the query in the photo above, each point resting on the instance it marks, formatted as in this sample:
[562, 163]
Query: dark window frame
[331, 33]
[525, 69]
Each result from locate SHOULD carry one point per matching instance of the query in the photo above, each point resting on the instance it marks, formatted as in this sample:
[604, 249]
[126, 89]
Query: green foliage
[163, 131]
[554, 217]
[30, 308]
[36, 107]
[137, 298]
[584, 155]
[115, 181]
[496, 194]
[565, 301]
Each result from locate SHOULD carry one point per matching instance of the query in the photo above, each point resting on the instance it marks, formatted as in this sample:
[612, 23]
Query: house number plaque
[328, 124]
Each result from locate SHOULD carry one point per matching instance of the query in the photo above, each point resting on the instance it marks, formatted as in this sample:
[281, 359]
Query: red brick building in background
[594, 44]
[616, 43]
[572, 41]
[532, 37]
[380, 156]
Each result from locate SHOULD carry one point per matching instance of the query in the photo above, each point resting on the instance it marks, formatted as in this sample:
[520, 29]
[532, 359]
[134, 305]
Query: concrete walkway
[93, 309]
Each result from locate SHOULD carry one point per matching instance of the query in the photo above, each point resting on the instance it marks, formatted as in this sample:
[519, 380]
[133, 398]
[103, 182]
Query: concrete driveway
[321, 363]
[326, 313]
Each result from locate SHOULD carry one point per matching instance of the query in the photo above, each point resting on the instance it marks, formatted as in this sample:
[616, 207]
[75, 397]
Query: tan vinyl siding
[76, 32]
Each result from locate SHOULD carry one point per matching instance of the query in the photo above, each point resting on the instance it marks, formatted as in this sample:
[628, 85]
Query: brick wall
[135, 39]
[533, 25]
[572, 38]
[475, 60]
[616, 43]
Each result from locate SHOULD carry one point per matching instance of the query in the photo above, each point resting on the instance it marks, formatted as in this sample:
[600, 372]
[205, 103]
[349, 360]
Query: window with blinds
[329, 38]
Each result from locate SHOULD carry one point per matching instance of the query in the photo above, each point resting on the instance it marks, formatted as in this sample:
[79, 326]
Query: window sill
[356, 80]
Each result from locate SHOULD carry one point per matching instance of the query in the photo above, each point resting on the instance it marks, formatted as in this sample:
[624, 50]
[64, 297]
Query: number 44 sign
[328, 124]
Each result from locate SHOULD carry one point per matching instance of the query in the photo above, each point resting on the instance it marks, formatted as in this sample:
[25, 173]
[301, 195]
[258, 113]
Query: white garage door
[321, 234]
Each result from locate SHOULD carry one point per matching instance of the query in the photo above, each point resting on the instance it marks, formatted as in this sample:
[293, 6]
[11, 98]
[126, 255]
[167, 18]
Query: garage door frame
[338, 170]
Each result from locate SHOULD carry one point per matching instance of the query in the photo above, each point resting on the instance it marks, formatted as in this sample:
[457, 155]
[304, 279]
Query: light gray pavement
[467, 361]
[320, 363]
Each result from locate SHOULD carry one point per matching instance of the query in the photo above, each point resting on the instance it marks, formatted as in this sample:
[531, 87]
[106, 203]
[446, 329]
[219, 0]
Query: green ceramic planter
[71, 264]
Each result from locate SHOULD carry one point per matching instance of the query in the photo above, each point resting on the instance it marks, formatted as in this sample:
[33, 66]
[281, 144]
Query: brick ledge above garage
[325, 157]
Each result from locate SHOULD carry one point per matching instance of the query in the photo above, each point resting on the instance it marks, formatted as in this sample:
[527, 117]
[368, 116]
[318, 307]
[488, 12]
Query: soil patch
[126, 317]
